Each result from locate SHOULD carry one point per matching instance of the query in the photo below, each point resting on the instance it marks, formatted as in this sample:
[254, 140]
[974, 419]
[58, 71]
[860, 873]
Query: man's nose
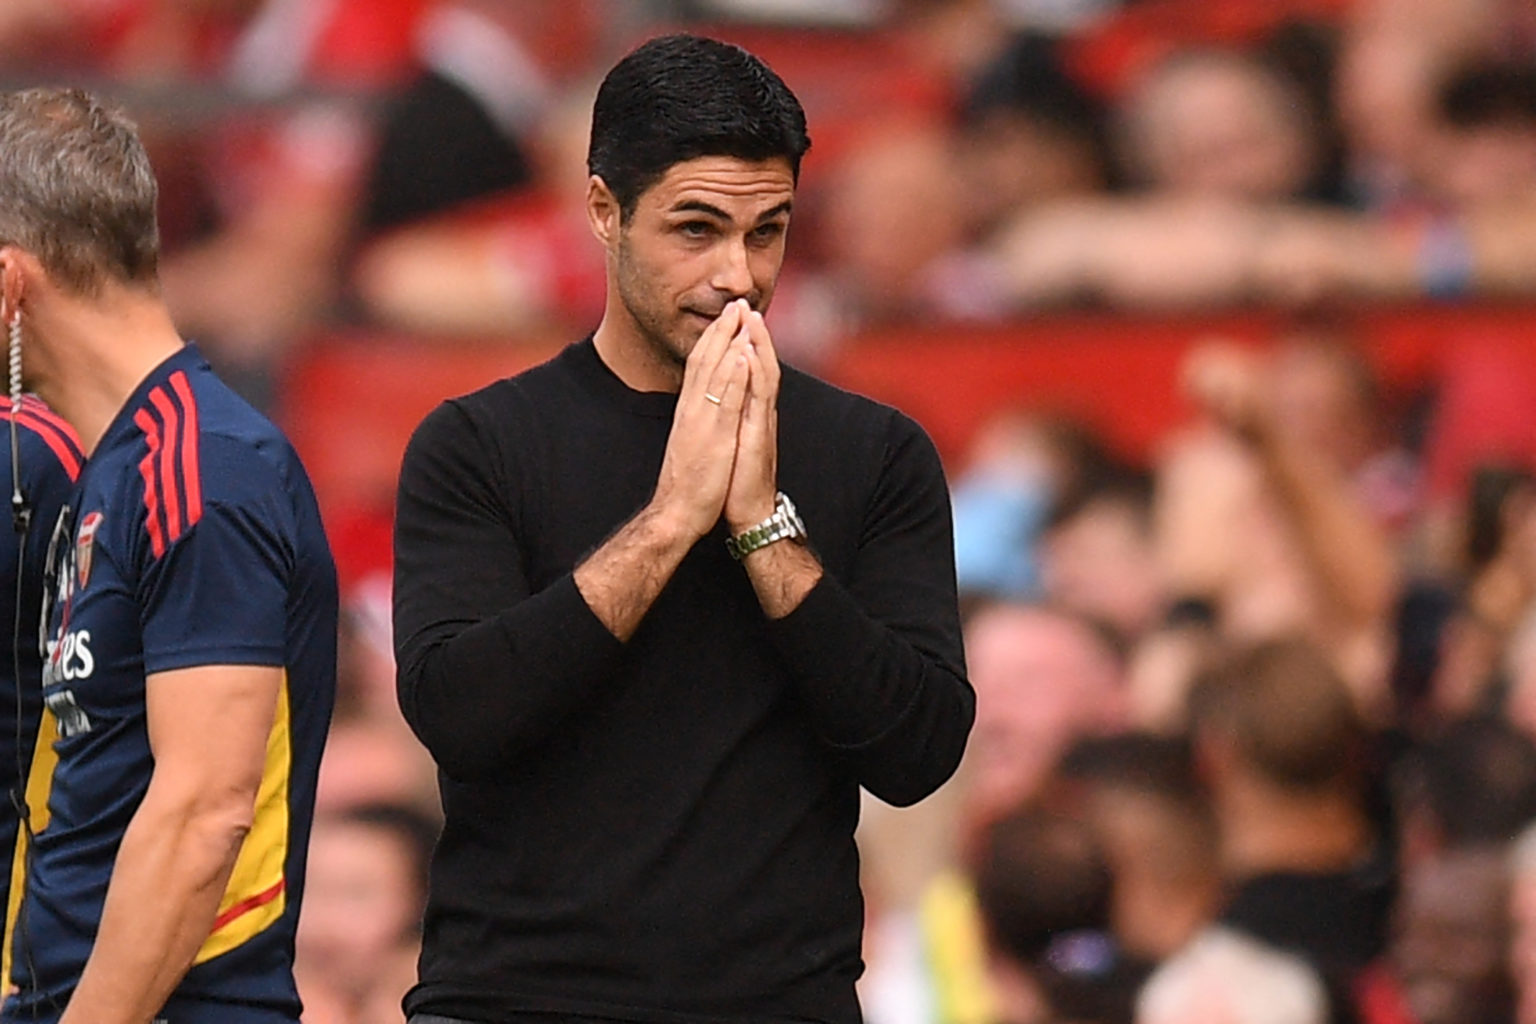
[733, 273]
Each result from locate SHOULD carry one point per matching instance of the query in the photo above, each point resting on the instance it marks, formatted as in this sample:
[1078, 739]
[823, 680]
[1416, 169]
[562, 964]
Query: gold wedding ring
[711, 398]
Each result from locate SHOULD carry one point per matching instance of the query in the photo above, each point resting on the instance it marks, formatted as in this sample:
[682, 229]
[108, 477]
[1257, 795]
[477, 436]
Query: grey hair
[1224, 973]
[77, 190]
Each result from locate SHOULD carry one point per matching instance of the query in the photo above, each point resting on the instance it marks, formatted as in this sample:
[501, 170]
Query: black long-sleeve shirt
[662, 830]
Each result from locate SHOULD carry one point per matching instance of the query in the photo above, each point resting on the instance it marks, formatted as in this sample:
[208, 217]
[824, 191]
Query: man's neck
[624, 349]
[97, 353]
[1266, 830]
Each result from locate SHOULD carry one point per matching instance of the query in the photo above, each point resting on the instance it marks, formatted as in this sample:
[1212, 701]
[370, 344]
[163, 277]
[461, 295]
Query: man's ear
[13, 282]
[603, 213]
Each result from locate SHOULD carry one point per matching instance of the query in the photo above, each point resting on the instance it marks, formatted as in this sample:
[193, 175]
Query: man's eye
[695, 228]
[768, 232]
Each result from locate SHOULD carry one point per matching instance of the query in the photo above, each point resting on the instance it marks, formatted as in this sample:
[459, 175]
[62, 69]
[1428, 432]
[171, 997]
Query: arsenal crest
[84, 540]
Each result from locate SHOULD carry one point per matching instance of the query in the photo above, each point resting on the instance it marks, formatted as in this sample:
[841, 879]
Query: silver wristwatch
[784, 524]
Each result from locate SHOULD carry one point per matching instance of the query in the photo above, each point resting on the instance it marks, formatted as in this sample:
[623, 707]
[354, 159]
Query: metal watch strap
[784, 524]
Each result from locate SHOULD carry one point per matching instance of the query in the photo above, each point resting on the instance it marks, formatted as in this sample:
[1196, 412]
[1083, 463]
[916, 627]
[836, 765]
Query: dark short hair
[1044, 886]
[1476, 778]
[1029, 80]
[1485, 95]
[1288, 712]
[1041, 874]
[680, 97]
[76, 189]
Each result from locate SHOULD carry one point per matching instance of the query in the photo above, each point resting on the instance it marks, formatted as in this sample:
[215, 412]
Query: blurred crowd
[1254, 739]
[418, 164]
[1256, 733]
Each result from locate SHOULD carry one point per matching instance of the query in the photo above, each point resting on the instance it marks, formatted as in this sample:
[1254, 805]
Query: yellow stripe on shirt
[39, 788]
[256, 894]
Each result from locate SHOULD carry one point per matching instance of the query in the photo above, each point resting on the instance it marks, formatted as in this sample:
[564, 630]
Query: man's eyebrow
[699, 206]
[778, 211]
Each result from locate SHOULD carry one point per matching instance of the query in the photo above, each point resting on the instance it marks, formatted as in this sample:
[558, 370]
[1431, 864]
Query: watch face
[791, 516]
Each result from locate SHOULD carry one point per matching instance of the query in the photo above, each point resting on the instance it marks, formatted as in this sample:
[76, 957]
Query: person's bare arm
[1346, 553]
[782, 574]
[623, 578]
[450, 279]
[1306, 255]
[1501, 243]
[208, 729]
[1154, 253]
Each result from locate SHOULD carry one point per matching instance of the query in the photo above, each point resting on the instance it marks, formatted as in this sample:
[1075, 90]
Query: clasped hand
[722, 455]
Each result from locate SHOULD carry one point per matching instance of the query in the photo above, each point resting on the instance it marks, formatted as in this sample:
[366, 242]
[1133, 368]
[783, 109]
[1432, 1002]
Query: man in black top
[1287, 758]
[653, 684]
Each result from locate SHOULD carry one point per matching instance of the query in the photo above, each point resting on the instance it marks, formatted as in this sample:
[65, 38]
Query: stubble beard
[652, 323]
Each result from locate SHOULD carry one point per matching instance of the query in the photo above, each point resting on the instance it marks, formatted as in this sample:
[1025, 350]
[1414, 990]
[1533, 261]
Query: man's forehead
[727, 183]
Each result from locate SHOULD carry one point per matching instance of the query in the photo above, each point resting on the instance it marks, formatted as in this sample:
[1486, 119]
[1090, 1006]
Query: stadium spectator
[1098, 555]
[1153, 819]
[1029, 134]
[515, 264]
[284, 180]
[1264, 512]
[1449, 210]
[1451, 950]
[461, 129]
[371, 756]
[1020, 465]
[1045, 889]
[1219, 124]
[1044, 679]
[1225, 977]
[357, 943]
[890, 213]
[1487, 116]
[1472, 783]
[1285, 752]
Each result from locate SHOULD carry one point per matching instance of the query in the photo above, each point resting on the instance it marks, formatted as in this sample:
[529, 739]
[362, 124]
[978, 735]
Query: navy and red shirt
[48, 463]
[192, 538]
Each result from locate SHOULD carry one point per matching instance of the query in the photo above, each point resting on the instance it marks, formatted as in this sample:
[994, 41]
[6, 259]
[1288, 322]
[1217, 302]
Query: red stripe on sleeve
[151, 430]
[169, 443]
[190, 452]
[33, 404]
[261, 899]
[67, 454]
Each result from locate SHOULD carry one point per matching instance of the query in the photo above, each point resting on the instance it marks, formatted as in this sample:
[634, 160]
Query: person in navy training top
[191, 616]
[47, 464]
[663, 606]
